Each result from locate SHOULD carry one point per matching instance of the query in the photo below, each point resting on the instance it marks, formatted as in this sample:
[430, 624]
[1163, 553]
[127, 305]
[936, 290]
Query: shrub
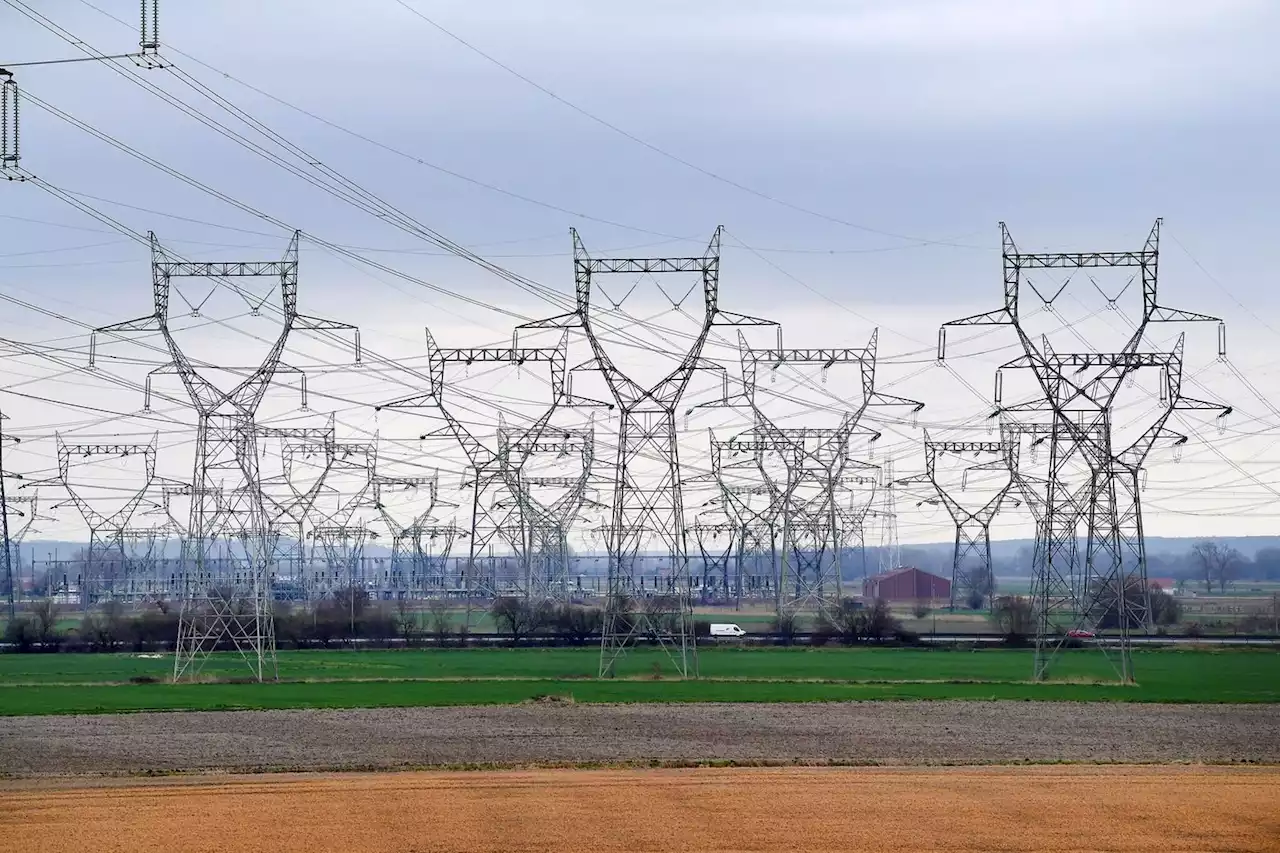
[292, 624]
[440, 620]
[45, 614]
[851, 622]
[906, 636]
[879, 621]
[519, 617]
[577, 623]
[22, 632]
[786, 626]
[406, 621]
[1165, 609]
[1013, 616]
[155, 626]
[103, 629]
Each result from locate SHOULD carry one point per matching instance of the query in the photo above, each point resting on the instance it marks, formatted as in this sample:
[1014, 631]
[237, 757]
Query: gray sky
[879, 142]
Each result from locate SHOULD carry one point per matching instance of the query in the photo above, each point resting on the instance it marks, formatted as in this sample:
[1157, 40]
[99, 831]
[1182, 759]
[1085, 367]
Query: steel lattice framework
[291, 506]
[544, 524]
[494, 477]
[108, 572]
[340, 535]
[971, 575]
[814, 526]
[415, 568]
[747, 497]
[226, 491]
[644, 512]
[8, 504]
[1079, 393]
[719, 543]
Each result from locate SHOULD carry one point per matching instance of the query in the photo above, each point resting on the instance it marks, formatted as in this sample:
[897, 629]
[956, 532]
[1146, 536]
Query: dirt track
[794, 809]
[880, 733]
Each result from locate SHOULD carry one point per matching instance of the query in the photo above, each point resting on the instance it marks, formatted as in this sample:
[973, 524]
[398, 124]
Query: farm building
[906, 584]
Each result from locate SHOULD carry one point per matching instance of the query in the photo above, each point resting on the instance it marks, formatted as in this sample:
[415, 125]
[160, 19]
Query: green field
[71, 683]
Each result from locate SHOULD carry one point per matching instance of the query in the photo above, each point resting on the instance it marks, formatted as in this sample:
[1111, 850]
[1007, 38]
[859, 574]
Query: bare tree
[45, 612]
[1013, 616]
[406, 620]
[852, 622]
[518, 617]
[576, 623]
[1218, 563]
[786, 625]
[440, 619]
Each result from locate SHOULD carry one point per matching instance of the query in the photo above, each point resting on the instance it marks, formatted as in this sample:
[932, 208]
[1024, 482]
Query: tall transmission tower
[106, 571]
[30, 515]
[817, 463]
[889, 555]
[415, 568]
[290, 500]
[853, 515]
[545, 522]
[340, 533]
[495, 508]
[10, 581]
[226, 492]
[720, 547]
[1079, 395]
[749, 498]
[972, 579]
[647, 513]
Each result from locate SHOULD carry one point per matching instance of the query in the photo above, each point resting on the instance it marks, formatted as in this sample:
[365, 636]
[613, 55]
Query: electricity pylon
[106, 572]
[972, 579]
[289, 501]
[495, 508]
[647, 511]
[226, 490]
[410, 571]
[816, 462]
[543, 525]
[1079, 394]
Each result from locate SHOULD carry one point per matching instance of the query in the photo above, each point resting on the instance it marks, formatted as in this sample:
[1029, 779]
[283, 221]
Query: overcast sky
[858, 154]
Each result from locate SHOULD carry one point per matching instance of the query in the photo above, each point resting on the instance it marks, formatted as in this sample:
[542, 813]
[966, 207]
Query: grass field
[68, 683]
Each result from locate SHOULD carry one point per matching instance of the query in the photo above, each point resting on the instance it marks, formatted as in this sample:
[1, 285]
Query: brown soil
[553, 733]
[794, 809]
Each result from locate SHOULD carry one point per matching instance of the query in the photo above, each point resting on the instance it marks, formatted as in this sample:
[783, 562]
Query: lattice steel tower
[1079, 394]
[107, 572]
[226, 492]
[972, 581]
[496, 510]
[645, 512]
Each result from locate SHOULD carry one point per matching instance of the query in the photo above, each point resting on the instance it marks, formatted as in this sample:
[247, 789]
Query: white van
[726, 629]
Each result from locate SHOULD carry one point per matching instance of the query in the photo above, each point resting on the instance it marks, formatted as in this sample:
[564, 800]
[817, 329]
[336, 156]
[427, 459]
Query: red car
[1081, 634]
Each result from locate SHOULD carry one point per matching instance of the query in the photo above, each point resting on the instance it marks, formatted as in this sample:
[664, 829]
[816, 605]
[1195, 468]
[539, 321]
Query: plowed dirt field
[792, 809]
